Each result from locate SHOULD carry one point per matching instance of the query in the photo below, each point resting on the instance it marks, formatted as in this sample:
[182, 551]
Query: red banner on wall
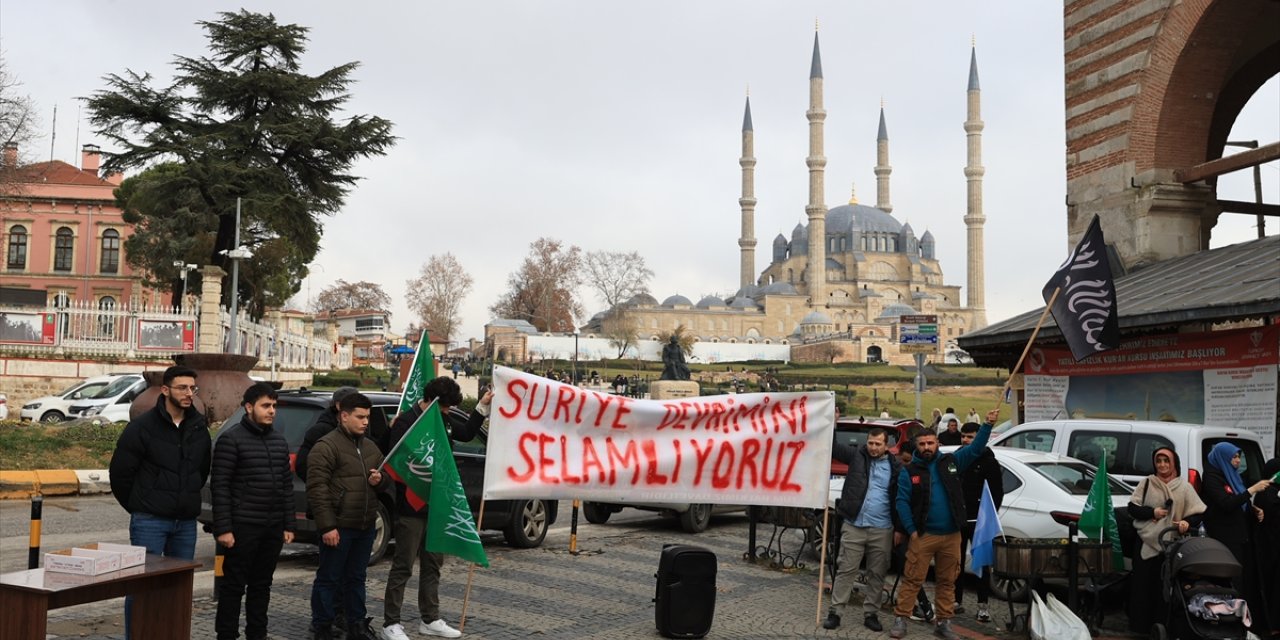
[1234, 348]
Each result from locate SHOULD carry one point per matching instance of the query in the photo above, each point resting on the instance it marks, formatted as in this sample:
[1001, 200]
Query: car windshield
[86, 390]
[1076, 478]
[117, 387]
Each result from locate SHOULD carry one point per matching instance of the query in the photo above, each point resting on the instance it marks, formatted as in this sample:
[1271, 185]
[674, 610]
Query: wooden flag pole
[471, 571]
[822, 563]
[1048, 306]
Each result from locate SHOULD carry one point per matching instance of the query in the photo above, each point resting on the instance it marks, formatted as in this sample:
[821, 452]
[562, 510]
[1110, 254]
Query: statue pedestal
[669, 389]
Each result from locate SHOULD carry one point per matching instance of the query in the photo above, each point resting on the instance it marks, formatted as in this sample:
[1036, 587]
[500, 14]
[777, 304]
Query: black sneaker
[362, 630]
[872, 622]
[922, 612]
[832, 621]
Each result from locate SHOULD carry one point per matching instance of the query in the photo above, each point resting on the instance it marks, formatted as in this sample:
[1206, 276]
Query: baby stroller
[1199, 601]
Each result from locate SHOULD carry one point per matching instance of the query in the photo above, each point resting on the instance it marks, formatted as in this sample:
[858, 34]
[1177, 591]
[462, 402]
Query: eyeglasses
[186, 388]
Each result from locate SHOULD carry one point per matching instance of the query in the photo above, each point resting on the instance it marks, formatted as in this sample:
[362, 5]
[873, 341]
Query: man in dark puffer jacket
[252, 512]
[160, 463]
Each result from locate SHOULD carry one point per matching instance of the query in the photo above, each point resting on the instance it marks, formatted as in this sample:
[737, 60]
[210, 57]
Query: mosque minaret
[816, 274]
[882, 166]
[747, 243]
[973, 219]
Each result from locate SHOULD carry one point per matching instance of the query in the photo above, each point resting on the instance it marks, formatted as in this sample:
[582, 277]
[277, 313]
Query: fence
[84, 329]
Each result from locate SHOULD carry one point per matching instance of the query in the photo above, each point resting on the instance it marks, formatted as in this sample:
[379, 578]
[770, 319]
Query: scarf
[1220, 458]
[1154, 492]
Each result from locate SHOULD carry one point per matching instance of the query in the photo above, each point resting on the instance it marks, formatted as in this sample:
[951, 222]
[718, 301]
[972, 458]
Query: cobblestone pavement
[604, 592]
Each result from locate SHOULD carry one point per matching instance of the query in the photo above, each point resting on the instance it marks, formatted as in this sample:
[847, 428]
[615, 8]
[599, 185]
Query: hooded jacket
[252, 483]
[338, 489]
[159, 467]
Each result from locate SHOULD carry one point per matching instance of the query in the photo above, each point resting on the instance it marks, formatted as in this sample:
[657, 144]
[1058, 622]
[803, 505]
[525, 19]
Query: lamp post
[236, 255]
[186, 268]
[573, 519]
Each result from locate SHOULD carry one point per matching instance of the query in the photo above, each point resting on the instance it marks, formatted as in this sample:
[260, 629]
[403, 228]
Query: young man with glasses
[160, 463]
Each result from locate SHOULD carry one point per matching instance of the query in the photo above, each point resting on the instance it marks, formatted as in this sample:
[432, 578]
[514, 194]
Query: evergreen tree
[243, 122]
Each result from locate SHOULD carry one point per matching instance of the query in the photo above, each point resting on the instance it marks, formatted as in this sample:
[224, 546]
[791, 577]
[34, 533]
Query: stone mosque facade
[874, 268]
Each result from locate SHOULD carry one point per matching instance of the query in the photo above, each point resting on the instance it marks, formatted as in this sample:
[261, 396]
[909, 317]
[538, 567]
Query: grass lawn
[77, 445]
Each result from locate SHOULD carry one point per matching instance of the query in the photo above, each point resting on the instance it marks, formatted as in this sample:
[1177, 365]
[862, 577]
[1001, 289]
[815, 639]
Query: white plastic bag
[1050, 619]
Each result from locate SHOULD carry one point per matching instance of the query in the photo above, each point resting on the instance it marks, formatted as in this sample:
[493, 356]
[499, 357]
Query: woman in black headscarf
[1267, 545]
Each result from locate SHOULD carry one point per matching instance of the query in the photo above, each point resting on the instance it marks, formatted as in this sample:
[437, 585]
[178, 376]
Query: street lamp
[236, 255]
[185, 268]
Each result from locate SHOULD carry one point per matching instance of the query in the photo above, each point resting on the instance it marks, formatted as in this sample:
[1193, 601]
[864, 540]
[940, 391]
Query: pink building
[63, 236]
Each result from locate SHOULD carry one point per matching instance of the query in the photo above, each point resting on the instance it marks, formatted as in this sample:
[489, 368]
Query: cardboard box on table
[82, 562]
[130, 556]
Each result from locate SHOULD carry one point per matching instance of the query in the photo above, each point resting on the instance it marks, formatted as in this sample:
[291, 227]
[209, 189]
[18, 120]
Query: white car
[1036, 485]
[57, 408]
[111, 404]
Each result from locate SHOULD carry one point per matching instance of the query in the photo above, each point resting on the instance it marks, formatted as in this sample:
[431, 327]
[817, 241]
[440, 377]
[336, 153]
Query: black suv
[523, 523]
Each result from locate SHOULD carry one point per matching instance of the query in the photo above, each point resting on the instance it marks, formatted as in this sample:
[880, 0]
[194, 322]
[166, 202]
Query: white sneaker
[440, 629]
[394, 632]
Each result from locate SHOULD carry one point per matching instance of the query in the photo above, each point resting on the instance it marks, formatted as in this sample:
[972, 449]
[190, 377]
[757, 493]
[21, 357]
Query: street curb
[21, 485]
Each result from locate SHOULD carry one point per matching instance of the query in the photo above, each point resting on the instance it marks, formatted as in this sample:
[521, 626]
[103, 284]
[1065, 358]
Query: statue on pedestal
[673, 366]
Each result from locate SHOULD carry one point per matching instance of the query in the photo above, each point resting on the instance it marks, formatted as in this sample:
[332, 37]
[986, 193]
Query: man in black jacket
[985, 469]
[253, 515]
[160, 463]
[328, 421]
[866, 507]
[411, 523]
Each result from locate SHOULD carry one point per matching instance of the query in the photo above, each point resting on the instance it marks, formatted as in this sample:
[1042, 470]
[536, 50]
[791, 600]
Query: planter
[222, 378]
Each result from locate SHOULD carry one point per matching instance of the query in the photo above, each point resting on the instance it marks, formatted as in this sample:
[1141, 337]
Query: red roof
[59, 172]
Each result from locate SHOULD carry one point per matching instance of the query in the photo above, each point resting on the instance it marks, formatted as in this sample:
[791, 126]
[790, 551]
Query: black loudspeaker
[685, 601]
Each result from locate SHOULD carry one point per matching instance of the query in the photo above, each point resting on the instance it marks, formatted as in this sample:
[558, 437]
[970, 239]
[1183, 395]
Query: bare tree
[437, 293]
[17, 125]
[616, 276]
[542, 290]
[352, 295]
[828, 351]
[622, 330]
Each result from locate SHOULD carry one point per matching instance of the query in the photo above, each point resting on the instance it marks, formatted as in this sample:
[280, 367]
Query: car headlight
[92, 411]
[33, 405]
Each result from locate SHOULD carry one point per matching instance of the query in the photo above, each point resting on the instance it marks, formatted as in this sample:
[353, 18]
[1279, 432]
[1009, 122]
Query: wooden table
[161, 590]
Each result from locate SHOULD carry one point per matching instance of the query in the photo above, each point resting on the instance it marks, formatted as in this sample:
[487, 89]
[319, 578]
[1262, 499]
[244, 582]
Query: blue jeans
[161, 536]
[343, 565]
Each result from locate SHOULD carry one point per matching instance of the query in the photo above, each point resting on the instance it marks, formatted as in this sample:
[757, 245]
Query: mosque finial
[853, 193]
[815, 24]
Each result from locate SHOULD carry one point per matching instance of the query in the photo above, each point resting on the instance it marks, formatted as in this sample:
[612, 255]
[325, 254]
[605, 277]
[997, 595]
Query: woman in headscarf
[1267, 545]
[1162, 500]
[1231, 518]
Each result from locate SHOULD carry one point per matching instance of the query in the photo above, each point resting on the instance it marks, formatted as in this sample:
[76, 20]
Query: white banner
[557, 441]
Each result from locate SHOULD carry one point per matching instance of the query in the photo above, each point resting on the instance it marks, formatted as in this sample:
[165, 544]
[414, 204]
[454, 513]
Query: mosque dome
[815, 317]
[742, 302]
[677, 300]
[710, 301]
[849, 217]
[642, 299]
[747, 291]
[780, 289]
[897, 309]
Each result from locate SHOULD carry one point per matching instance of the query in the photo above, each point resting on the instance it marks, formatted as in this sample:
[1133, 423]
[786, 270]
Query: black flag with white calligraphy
[1085, 308]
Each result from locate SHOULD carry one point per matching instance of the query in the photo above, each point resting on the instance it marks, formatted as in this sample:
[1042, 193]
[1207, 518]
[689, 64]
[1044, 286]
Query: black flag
[1085, 308]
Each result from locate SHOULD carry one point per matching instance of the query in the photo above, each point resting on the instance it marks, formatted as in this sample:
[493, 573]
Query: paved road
[604, 592]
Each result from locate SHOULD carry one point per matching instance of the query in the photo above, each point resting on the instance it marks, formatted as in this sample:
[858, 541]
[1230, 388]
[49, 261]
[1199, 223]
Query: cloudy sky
[616, 126]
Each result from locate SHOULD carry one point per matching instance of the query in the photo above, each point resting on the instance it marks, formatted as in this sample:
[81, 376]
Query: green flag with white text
[422, 371]
[1099, 518]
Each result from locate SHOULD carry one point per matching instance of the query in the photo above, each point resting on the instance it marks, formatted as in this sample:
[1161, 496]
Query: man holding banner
[411, 511]
[930, 508]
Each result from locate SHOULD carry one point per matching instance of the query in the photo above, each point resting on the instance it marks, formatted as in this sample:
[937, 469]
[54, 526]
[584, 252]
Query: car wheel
[1011, 589]
[1158, 632]
[528, 526]
[596, 513]
[696, 519]
[381, 535]
[52, 417]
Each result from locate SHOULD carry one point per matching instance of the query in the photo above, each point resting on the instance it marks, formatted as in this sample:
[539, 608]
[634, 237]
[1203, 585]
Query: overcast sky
[616, 126]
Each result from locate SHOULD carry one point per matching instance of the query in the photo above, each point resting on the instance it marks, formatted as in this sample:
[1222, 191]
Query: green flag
[423, 462]
[422, 371]
[1098, 521]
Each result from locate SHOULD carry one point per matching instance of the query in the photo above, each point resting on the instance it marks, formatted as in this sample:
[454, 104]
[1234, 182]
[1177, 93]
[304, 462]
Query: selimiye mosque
[874, 269]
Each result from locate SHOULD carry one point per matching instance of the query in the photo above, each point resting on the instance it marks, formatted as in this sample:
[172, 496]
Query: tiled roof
[59, 172]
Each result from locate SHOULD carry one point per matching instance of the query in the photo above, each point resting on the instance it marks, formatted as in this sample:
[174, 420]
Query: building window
[106, 321]
[110, 251]
[64, 244]
[17, 247]
[368, 324]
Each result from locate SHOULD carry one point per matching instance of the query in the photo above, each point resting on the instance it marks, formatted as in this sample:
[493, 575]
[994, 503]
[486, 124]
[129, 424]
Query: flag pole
[406, 433]
[466, 594]
[1048, 306]
[822, 562]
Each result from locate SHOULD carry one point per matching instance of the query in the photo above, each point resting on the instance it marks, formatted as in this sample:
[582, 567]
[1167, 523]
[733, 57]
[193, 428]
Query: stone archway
[875, 354]
[1152, 89]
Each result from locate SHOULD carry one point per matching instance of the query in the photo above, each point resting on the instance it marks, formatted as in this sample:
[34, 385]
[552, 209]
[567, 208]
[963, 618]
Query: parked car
[112, 402]
[853, 431]
[1036, 486]
[1130, 443]
[523, 523]
[57, 407]
[694, 518]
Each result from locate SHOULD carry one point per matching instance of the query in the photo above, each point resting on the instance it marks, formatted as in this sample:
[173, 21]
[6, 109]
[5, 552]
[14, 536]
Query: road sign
[918, 334]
